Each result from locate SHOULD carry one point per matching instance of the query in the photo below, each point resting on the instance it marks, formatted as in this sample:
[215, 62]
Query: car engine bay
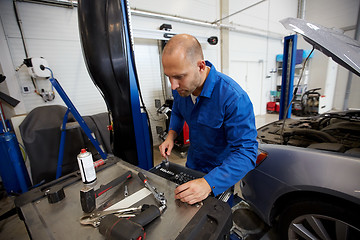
[336, 132]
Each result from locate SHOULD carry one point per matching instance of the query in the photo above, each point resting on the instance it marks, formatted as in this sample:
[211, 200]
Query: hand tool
[95, 217]
[88, 194]
[55, 194]
[129, 200]
[158, 196]
[133, 228]
[166, 160]
[166, 163]
[126, 191]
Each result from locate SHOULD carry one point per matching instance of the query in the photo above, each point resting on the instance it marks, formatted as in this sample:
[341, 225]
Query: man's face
[184, 75]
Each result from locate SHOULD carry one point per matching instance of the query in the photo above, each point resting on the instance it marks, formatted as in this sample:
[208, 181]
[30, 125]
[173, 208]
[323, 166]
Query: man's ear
[202, 65]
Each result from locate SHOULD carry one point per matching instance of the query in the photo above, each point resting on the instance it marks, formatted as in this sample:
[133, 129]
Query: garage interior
[242, 39]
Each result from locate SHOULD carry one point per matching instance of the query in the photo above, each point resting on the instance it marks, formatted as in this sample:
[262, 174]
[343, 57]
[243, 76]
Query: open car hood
[333, 43]
[335, 132]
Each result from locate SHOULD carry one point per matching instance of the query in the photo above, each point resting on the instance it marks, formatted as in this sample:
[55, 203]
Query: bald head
[184, 45]
[183, 62]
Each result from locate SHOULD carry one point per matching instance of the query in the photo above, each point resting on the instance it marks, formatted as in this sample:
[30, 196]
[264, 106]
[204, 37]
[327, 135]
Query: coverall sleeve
[240, 133]
[176, 120]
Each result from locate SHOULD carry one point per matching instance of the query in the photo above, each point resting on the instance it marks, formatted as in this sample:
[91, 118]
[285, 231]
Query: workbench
[210, 219]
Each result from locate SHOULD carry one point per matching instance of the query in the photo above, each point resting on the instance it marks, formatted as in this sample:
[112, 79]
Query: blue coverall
[222, 130]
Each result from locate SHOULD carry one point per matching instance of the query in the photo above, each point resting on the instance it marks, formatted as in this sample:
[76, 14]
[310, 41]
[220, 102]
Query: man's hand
[166, 147]
[193, 191]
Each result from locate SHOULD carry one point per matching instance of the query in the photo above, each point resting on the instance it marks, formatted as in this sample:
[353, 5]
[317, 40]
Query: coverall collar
[209, 81]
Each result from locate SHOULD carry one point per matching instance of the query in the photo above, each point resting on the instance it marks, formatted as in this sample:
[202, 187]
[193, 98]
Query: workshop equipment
[39, 67]
[159, 196]
[126, 191]
[6, 98]
[114, 228]
[86, 166]
[175, 172]
[88, 195]
[76, 115]
[310, 102]
[55, 194]
[13, 171]
[166, 162]
[287, 82]
[180, 175]
[94, 218]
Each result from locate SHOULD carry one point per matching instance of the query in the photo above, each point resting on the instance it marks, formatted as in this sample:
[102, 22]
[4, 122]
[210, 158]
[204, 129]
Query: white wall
[341, 82]
[252, 54]
[248, 50]
[264, 16]
[52, 33]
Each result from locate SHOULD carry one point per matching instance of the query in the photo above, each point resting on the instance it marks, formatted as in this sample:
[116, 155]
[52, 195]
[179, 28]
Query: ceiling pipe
[56, 3]
[231, 27]
[301, 9]
[143, 13]
[241, 10]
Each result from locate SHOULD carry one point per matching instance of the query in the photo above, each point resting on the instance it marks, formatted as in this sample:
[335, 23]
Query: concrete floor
[14, 228]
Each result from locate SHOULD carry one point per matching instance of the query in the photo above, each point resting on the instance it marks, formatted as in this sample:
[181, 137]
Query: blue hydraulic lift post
[141, 128]
[288, 69]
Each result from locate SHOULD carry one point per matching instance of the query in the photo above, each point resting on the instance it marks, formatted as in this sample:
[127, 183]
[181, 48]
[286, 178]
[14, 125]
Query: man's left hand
[193, 191]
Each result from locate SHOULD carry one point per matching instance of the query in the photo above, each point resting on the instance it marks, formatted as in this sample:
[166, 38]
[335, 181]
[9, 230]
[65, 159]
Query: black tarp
[41, 135]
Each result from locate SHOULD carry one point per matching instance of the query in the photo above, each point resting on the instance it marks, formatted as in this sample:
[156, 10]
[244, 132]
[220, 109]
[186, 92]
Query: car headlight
[261, 156]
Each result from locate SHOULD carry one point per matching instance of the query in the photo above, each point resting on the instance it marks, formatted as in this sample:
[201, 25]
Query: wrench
[95, 217]
[160, 197]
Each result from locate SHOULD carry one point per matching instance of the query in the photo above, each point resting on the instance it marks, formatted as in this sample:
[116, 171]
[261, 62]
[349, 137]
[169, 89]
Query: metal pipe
[238, 11]
[252, 31]
[19, 22]
[143, 13]
[232, 27]
[20, 28]
[57, 3]
[349, 82]
[301, 9]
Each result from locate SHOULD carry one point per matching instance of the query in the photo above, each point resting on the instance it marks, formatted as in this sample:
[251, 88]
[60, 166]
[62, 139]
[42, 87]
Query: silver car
[307, 180]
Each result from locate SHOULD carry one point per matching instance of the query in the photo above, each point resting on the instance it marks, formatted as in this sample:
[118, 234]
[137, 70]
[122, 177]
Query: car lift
[287, 83]
[141, 126]
[111, 65]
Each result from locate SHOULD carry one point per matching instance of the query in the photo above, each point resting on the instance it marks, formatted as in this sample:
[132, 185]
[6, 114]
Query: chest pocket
[210, 127]
[210, 119]
[210, 114]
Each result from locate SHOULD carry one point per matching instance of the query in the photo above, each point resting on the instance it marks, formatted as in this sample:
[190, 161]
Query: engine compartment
[336, 132]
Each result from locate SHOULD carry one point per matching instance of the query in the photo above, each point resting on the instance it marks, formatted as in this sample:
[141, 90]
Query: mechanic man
[220, 118]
